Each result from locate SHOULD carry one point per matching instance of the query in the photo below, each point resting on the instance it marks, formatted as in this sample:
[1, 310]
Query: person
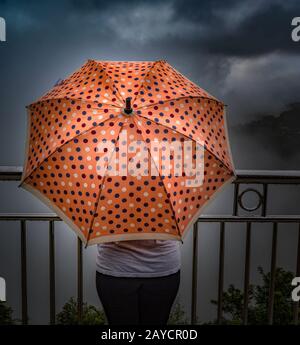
[137, 280]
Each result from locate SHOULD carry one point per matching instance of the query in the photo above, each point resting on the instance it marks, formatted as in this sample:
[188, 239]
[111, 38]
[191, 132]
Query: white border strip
[100, 239]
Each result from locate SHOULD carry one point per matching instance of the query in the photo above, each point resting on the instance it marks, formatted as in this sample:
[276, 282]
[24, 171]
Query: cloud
[213, 27]
[266, 30]
[232, 28]
[270, 142]
[227, 28]
[240, 51]
[263, 84]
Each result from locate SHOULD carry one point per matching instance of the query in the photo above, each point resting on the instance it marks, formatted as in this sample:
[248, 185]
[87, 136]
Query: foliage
[233, 300]
[93, 316]
[258, 300]
[177, 315]
[90, 314]
[5, 314]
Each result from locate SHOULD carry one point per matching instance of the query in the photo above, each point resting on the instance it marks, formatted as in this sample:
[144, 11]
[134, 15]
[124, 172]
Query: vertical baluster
[24, 273]
[194, 275]
[265, 200]
[221, 272]
[235, 199]
[52, 271]
[247, 274]
[296, 304]
[79, 279]
[273, 275]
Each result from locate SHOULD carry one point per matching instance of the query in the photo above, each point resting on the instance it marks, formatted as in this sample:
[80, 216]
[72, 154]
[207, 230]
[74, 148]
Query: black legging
[137, 301]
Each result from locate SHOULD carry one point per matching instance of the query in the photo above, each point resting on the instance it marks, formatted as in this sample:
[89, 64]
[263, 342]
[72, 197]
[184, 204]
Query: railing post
[247, 274]
[52, 271]
[235, 199]
[272, 275]
[221, 272]
[79, 279]
[265, 200]
[24, 273]
[194, 275]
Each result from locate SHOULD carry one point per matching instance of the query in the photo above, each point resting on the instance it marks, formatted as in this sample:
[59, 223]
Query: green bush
[94, 316]
[233, 300]
[90, 314]
[177, 315]
[5, 314]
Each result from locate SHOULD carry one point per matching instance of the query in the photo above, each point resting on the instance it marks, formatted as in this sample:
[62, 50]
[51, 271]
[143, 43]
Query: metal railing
[263, 178]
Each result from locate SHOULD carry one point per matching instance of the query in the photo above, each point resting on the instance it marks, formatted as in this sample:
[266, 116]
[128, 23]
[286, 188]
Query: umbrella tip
[128, 109]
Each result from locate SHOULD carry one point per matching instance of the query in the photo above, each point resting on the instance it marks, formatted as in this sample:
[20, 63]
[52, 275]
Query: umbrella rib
[160, 124]
[173, 211]
[65, 143]
[194, 84]
[99, 195]
[73, 99]
[146, 76]
[108, 76]
[178, 99]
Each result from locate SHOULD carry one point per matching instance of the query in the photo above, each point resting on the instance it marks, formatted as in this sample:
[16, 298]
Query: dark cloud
[278, 135]
[267, 30]
[227, 28]
[240, 51]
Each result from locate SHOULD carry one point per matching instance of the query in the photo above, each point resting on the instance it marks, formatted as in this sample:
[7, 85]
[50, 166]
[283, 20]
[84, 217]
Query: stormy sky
[239, 51]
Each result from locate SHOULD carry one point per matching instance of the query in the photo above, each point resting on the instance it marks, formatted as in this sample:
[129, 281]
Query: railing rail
[264, 178]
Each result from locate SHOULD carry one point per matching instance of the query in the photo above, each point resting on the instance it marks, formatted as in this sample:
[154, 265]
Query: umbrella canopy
[127, 150]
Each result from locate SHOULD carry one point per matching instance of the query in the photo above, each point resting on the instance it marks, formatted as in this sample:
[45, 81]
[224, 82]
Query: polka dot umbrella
[127, 150]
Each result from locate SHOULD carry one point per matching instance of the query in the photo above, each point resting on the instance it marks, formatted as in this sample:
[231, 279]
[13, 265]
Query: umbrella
[127, 150]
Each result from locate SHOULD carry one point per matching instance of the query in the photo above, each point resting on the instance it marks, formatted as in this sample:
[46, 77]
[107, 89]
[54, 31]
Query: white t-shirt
[139, 258]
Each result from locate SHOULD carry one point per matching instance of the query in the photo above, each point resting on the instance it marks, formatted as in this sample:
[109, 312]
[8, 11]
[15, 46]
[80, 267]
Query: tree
[258, 300]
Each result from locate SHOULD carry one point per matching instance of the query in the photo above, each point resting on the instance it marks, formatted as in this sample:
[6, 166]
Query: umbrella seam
[146, 76]
[162, 180]
[117, 89]
[80, 69]
[160, 124]
[197, 86]
[178, 99]
[101, 184]
[40, 100]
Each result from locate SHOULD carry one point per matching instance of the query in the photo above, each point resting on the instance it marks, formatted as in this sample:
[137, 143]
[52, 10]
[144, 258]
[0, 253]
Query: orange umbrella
[127, 150]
